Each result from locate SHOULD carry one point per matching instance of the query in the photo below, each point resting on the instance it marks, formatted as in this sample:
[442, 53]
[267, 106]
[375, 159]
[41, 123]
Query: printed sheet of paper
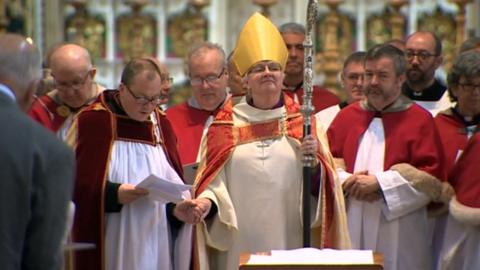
[314, 256]
[163, 190]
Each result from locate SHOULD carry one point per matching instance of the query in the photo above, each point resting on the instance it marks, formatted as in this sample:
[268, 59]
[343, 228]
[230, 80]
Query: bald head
[70, 57]
[21, 66]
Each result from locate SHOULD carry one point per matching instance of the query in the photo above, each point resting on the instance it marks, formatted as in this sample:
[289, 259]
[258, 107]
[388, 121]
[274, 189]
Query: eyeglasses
[271, 66]
[197, 81]
[421, 55]
[141, 100]
[470, 87]
[76, 85]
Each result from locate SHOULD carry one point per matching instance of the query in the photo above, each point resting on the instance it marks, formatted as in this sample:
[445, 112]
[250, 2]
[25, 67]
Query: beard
[416, 75]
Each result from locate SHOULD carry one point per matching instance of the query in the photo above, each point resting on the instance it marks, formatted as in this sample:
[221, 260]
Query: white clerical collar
[7, 91]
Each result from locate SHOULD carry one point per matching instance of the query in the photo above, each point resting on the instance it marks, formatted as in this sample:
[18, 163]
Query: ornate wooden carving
[186, 28]
[86, 29]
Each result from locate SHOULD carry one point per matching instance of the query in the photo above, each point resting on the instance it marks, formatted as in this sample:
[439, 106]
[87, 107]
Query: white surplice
[395, 225]
[434, 107]
[138, 237]
[461, 246]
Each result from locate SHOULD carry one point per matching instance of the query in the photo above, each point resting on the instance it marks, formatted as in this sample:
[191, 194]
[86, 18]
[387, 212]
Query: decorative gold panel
[443, 25]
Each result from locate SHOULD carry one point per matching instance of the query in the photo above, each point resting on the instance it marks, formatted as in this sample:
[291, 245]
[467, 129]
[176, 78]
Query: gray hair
[391, 52]
[199, 49]
[466, 64]
[470, 44]
[22, 64]
[292, 27]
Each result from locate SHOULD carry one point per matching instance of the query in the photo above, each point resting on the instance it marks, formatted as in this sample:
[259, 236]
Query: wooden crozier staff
[307, 110]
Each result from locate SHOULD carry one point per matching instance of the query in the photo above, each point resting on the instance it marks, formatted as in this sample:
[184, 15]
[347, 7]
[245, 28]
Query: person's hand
[309, 145]
[362, 186]
[187, 211]
[128, 193]
[204, 205]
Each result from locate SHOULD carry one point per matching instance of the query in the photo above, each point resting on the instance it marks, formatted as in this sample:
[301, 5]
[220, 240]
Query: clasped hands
[362, 186]
[188, 211]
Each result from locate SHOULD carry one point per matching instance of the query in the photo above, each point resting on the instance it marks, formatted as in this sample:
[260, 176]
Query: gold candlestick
[331, 54]
[460, 21]
[397, 20]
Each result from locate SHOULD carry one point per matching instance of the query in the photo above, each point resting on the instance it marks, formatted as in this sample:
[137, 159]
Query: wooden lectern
[377, 265]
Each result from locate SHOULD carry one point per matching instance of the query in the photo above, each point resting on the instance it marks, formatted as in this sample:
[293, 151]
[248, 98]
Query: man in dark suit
[36, 169]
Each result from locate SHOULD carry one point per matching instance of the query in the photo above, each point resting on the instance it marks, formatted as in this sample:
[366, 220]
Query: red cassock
[188, 124]
[321, 98]
[465, 176]
[97, 127]
[45, 111]
[410, 137]
[453, 135]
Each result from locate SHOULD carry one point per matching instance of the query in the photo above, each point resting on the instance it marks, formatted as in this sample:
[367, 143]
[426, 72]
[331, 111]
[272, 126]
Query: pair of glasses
[470, 87]
[198, 81]
[354, 77]
[271, 66]
[75, 85]
[141, 100]
[421, 55]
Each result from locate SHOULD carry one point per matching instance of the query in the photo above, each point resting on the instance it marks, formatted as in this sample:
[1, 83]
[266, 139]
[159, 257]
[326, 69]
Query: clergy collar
[400, 104]
[276, 106]
[473, 122]
[432, 93]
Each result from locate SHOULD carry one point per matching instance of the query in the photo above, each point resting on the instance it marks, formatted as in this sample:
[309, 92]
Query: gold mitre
[259, 40]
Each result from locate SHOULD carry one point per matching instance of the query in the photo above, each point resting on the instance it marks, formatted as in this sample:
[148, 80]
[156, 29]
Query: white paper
[314, 256]
[163, 190]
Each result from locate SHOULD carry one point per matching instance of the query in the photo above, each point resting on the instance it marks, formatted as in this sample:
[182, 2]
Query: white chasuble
[138, 237]
[396, 224]
[434, 107]
[259, 195]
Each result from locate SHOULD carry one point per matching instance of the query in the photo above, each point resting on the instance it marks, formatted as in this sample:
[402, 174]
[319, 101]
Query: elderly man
[352, 81]
[423, 51]
[36, 168]
[73, 75]
[250, 176]
[209, 79]
[391, 164]
[119, 140]
[458, 127]
[293, 35]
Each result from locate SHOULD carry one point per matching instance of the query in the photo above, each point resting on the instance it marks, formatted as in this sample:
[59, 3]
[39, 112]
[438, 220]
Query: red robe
[453, 135]
[44, 110]
[188, 124]
[465, 176]
[322, 98]
[410, 137]
[97, 127]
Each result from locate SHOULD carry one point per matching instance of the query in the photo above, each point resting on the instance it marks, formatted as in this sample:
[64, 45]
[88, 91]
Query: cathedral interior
[114, 31]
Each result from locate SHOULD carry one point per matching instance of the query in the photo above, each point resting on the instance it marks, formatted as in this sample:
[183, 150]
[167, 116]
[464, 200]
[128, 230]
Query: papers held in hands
[314, 256]
[163, 190]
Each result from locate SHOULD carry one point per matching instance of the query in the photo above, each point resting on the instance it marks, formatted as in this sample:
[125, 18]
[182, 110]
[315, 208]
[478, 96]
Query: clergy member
[352, 81]
[250, 176]
[293, 34]
[119, 140]
[458, 127]
[208, 78]
[423, 52]
[390, 162]
[75, 88]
